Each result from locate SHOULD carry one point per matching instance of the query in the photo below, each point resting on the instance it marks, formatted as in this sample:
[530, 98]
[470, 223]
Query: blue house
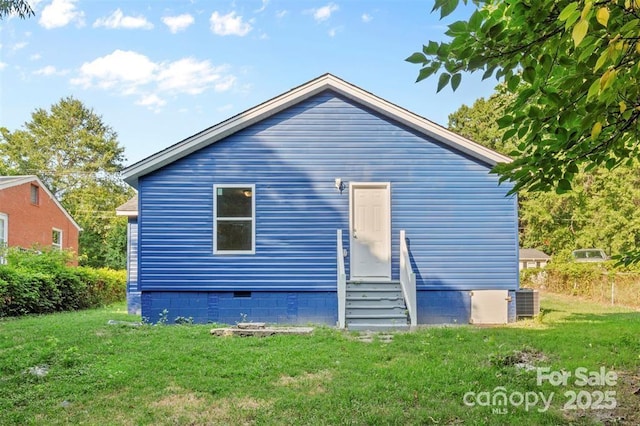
[326, 204]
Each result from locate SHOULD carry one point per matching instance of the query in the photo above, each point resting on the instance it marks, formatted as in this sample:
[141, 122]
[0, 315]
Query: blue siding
[443, 307]
[133, 292]
[297, 308]
[461, 227]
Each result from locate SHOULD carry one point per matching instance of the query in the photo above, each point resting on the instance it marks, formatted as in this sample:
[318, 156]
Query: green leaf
[594, 89]
[504, 121]
[431, 48]
[509, 134]
[448, 7]
[529, 74]
[443, 81]
[458, 27]
[417, 58]
[455, 81]
[563, 186]
[567, 11]
[546, 61]
[443, 51]
[579, 31]
[513, 82]
[572, 167]
[427, 72]
[601, 60]
[489, 72]
[475, 21]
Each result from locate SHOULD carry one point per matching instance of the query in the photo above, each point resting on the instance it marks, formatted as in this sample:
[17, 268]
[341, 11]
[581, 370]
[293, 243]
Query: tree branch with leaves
[573, 67]
[21, 8]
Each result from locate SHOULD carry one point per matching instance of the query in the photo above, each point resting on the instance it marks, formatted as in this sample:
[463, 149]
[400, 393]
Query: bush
[35, 282]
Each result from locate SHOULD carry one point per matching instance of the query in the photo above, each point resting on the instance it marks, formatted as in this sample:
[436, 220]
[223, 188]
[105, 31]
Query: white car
[590, 255]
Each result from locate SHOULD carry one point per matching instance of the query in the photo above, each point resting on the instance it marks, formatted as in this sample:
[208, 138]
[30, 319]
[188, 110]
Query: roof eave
[294, 96]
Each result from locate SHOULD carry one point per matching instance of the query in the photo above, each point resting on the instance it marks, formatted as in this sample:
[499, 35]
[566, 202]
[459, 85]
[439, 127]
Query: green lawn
[105, 374]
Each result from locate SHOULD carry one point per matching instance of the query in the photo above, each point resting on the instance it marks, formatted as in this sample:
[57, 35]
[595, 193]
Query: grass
[115, 374]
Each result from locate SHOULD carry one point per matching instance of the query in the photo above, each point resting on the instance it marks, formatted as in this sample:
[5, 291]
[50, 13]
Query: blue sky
[159, 71]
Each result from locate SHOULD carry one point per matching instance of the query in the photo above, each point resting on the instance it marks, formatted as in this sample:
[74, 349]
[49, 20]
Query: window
[56, 239]
[4, 236]
[234, 219]
[35, 194]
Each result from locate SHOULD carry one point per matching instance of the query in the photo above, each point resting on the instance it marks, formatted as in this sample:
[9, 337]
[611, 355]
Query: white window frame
[216, 219]
[5, 237]
[60, 244]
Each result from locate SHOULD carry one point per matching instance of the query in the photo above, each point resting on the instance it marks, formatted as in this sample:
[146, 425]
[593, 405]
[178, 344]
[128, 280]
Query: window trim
[53, 244]
[5, 218]
[216, 219]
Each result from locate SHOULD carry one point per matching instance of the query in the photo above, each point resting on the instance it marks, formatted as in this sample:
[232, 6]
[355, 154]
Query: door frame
[387, 187]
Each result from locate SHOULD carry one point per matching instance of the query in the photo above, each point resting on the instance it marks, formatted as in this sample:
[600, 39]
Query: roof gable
[529, 253]
[11, 181]
[129, 208]
[300, 94]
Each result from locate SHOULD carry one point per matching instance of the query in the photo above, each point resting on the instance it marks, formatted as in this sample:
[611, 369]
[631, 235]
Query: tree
[79, 158]
[599, 212]
[573, 67]
[22, 8]
[478, 122]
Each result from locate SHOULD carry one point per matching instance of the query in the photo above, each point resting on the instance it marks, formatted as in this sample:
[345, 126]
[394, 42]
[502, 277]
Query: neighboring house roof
[130, 208]
[533, 254]
[10, 181]
[295, 96]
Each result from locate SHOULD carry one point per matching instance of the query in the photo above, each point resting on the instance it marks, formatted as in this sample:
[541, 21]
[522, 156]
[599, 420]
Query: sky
[160, 71]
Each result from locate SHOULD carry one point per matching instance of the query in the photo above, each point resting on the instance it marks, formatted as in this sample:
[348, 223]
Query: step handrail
[408, 280]
[342, 282]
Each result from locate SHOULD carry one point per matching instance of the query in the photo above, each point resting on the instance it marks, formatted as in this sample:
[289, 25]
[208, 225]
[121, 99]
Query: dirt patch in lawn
[525, 358]
[185, 407]
[311, 383]
[626, 412]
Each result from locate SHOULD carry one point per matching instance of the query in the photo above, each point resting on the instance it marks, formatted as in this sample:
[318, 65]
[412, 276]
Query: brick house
[30, 215]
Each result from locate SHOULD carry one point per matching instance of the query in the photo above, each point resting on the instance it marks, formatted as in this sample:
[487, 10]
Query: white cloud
[191, 76]
[366, 18]
[129, 73]
[281, 14]
[265, 3]
[19, 46]
[3, 65]
[117, 20]
[323, 13]
[152, 101]
[121, 69]
[333, 31]
[60, 13]
[229, 24]
[48, 70]
[178, 23]
[35, 57]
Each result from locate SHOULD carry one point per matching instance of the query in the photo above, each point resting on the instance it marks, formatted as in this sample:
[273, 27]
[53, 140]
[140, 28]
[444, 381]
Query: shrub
[41, 282]
[603, 282]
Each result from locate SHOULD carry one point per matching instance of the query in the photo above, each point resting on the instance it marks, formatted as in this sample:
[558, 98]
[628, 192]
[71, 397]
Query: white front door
[370, 206]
